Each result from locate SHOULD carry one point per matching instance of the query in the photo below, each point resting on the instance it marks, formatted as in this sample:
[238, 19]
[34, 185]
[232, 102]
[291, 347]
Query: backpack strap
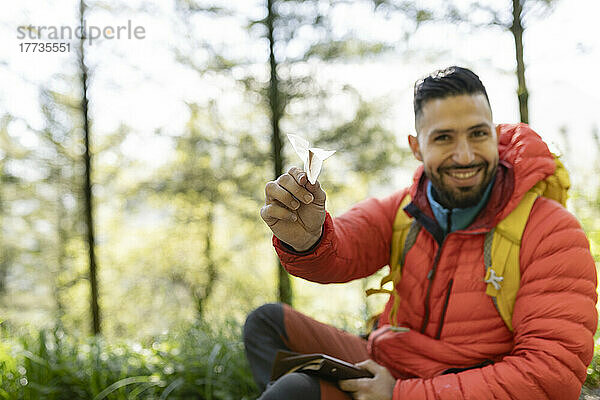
[502, 244]
[411, 238]
[404, 236]
[501, 252]
[556, 186]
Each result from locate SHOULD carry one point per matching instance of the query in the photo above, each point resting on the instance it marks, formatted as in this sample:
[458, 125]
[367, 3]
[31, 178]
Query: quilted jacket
[458, 347]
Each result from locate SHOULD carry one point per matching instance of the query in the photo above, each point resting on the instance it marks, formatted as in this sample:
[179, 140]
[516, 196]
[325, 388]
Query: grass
[195, 363]
[198, 362]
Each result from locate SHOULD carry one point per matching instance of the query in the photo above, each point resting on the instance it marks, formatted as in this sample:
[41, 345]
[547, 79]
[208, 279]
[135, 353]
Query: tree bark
[517, 31]
[61, 240]
[4, 257]
[211, 265]
[87, 184]
[284, 284]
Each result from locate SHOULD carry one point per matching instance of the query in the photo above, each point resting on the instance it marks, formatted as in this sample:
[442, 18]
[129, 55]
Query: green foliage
[198, 362]
[348, 49]
[593, 372]
[477, 14]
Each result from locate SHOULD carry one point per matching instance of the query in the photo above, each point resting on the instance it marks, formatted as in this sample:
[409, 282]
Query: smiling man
[458, 146]
[494, 286]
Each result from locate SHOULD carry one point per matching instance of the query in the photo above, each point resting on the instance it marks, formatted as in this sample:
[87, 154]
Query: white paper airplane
[312, 157]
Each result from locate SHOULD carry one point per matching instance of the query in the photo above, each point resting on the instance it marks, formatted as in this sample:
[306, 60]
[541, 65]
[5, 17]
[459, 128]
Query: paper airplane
[312, 157]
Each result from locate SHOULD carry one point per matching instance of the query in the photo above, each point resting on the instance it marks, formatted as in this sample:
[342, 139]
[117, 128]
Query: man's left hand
[380, 387]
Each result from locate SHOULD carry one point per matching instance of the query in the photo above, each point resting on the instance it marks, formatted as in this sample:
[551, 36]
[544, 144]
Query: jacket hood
[524, 160]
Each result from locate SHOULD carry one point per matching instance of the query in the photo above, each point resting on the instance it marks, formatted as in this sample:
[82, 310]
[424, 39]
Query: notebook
[321, 365]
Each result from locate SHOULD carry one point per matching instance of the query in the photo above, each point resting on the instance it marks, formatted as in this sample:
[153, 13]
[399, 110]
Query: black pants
[264, 334]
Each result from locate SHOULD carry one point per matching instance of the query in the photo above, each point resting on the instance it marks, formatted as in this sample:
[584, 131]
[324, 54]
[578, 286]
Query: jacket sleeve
[353, 245]
[554, 321]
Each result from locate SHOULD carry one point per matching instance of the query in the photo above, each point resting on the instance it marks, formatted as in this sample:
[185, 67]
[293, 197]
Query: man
[457, 345]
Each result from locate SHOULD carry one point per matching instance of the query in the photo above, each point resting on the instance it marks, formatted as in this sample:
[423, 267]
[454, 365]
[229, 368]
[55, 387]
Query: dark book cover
[321, 365]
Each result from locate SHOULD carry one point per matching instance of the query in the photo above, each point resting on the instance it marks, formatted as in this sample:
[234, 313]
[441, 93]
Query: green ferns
[197, 362]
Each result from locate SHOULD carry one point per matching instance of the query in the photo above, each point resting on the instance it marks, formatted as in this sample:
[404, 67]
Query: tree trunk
[61, 242]
[87, 185]
[6, 259]
[4, 256]
[517, 31]
[284, 284]
[211, 265]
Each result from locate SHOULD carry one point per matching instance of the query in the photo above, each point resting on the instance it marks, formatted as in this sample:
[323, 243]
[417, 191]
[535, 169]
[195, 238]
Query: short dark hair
[451, 81]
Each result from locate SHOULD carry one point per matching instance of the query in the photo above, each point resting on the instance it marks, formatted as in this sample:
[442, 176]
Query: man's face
[458, 146]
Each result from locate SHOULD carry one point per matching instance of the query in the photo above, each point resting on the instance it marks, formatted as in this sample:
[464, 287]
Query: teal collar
[459, 218]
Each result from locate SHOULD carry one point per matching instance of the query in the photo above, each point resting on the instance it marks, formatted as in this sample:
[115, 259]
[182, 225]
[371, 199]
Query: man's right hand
[294, 209]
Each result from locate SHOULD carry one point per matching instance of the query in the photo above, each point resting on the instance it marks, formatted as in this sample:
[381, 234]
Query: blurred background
[132, 169]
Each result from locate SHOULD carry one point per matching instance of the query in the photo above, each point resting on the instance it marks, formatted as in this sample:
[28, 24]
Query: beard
[461, 197]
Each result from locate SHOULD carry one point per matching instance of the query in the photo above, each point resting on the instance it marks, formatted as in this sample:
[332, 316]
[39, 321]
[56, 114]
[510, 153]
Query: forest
[133, 168]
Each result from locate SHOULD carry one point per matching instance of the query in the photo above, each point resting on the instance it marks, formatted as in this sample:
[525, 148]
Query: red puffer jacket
[458, 347]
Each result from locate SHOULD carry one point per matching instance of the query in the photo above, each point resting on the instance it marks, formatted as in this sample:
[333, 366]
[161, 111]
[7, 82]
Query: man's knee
[263, 318]
[264, 334]
[294, 386]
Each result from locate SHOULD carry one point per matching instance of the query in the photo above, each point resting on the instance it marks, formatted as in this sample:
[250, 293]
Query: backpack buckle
[491, 277]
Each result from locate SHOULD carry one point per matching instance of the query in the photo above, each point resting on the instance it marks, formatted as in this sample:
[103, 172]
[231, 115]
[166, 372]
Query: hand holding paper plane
[312, 157]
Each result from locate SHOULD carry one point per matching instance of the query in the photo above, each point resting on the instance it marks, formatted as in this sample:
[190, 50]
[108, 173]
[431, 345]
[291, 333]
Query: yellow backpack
[501, 246]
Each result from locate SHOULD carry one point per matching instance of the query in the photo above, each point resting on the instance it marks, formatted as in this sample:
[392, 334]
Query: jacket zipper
[444, 309]
[431, 275]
